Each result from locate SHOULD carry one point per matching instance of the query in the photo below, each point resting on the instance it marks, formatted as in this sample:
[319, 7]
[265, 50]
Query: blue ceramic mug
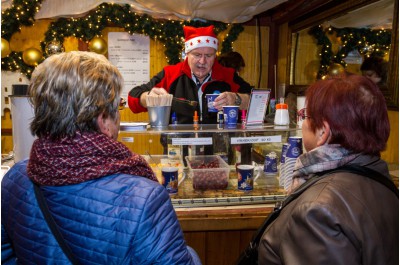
[246, 176]
[169, 179]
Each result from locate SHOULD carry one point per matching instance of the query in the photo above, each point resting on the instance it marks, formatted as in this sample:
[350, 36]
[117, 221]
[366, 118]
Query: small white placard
[256, 139]
[257, 106]
[127, 139]
[192, 141]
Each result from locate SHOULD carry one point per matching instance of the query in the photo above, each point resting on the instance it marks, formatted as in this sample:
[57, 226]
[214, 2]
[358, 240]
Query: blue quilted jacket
[118, 219]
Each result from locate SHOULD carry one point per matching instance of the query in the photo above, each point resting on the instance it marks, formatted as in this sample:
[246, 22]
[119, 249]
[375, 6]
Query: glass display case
[201, 187]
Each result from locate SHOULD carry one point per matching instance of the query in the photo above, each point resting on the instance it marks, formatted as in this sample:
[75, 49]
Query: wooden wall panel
[142, 143]
[29, 37]
[219, 247]
[283, 53]
[6, 137]
[306, 60]
[391, 154]
[248, 45]
[197, 240]
[219, 251]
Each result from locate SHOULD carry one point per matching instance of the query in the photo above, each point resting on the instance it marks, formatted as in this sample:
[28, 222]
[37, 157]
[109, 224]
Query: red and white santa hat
[199, 37]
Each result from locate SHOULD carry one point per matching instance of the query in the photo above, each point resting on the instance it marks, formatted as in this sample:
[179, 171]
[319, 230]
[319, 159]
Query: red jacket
[177, 80]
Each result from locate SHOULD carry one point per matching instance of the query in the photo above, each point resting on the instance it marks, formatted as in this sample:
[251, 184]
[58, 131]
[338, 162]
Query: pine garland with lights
[169, 32]
[21, 13]
[369, 42]
[326, 53]
[13, 62]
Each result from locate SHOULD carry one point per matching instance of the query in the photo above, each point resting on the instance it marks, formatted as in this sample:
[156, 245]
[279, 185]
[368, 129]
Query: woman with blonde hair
[82, 197]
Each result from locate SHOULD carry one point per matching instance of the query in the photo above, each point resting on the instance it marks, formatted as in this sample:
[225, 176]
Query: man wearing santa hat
[189, 81]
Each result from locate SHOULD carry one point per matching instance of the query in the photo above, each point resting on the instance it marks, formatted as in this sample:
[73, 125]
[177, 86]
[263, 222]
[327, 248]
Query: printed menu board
[257, 106]
[131, 55]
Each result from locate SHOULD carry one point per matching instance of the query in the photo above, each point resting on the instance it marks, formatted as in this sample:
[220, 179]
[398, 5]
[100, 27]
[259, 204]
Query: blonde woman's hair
[70, 90]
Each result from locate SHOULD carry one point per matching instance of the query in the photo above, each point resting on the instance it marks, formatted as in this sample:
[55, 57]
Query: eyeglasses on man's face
[198, 56]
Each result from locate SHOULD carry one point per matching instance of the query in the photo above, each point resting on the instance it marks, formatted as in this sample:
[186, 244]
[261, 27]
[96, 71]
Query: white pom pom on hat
[199, 37]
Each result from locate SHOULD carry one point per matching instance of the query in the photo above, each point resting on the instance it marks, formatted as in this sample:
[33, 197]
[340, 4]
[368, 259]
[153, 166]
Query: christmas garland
[369, 42]
[21, 13]
[169, 32]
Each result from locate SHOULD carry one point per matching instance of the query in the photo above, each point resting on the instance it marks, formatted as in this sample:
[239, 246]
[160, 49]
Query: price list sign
[257, 107]
[131, 55]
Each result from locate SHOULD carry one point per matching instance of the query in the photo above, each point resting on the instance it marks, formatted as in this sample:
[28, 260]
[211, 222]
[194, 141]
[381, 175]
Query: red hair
[355, 109]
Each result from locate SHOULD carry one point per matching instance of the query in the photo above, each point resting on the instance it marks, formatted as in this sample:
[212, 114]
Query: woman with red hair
[341, 217]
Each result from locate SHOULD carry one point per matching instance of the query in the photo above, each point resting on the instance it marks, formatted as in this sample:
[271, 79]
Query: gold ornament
[5, 48]
[32, 56]
[98, 45]
[54, 47]
[335, 69]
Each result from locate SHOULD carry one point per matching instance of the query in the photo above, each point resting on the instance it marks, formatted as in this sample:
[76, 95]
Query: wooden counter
[220, 234]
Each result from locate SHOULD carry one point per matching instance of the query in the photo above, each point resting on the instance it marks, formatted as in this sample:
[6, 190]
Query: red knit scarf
[85, 157]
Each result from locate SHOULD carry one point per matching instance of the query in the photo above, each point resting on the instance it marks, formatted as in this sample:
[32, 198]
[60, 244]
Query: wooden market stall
[278, 52]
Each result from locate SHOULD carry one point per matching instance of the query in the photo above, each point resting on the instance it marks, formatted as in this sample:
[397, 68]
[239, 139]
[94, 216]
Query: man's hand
[153, 92]
[228, 99]
[157, 91]
[224, 99]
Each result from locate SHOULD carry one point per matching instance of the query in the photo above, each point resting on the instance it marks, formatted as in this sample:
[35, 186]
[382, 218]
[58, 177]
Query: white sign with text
[257, 139]
[192, 141]
[131, 55]
[257, 107]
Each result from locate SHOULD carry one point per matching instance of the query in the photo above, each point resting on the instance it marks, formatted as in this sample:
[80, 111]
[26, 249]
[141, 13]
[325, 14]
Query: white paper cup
[301, 108]
[231, 114]
[210, 100]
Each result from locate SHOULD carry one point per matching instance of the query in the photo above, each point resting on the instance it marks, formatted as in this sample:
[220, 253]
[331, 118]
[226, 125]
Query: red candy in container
[209, 172]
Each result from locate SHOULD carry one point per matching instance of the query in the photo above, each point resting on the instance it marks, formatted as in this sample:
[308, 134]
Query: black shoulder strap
[249, 255]
[366, 172]
[52, 224]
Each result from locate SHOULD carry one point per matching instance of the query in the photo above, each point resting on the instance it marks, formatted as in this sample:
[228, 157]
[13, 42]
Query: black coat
[177, 80]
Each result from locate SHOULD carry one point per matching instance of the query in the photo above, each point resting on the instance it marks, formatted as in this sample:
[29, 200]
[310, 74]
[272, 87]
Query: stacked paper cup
[294, 150]
[282, 164]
